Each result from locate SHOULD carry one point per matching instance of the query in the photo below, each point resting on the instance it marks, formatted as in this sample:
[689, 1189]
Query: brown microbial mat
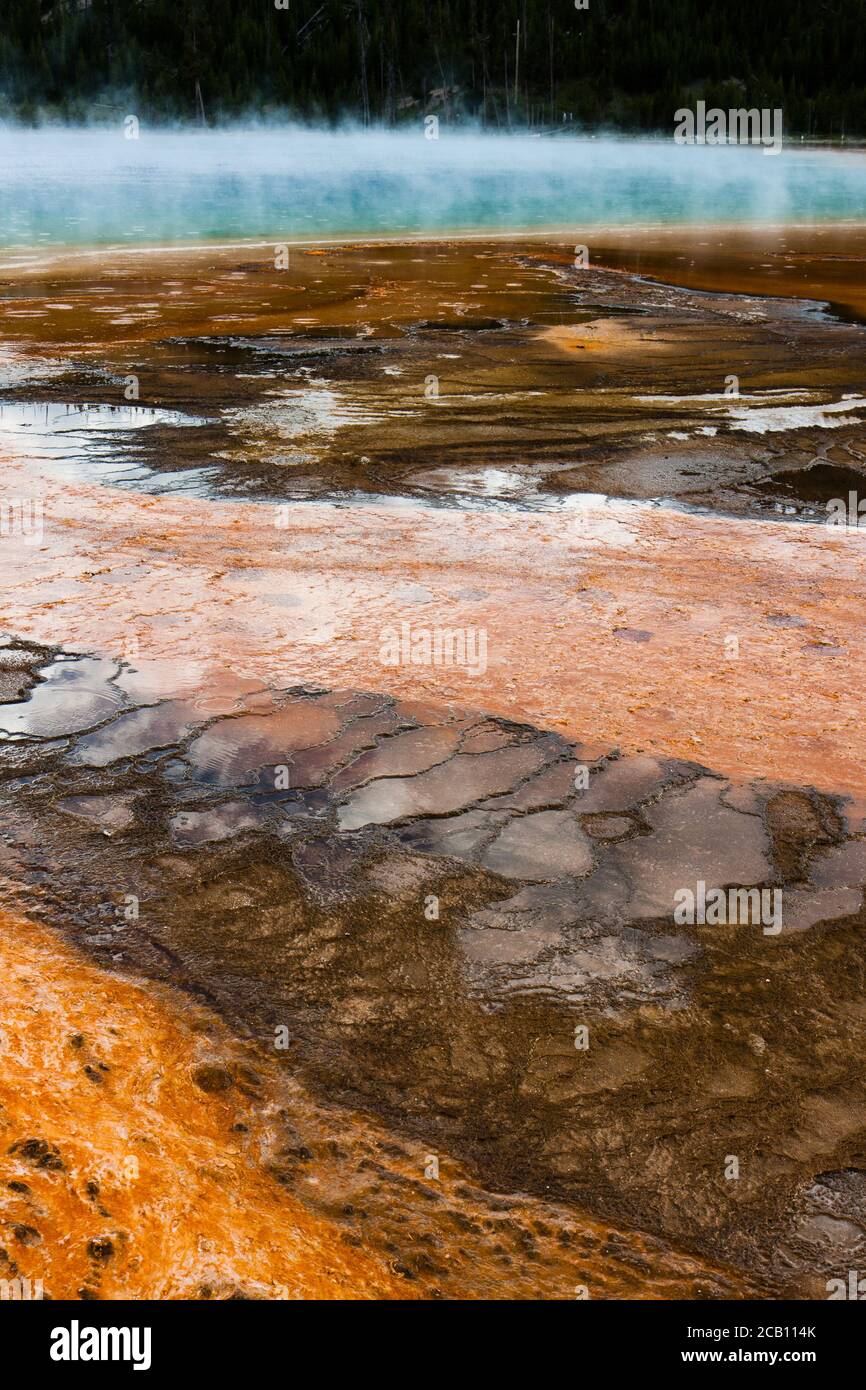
[432, 804]
[460, 926]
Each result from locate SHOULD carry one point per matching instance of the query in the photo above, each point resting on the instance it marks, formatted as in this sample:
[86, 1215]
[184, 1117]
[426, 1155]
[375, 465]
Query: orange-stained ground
[198, 586]
[194, 586]
[172, 1190]
[193, 592]
[121, 1178]
[817, 262]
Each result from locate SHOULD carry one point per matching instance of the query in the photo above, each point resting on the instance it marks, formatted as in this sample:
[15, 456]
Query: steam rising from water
[78, 186]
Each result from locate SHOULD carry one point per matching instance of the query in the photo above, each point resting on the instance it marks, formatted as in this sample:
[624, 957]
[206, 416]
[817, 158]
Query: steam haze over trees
[626, 64]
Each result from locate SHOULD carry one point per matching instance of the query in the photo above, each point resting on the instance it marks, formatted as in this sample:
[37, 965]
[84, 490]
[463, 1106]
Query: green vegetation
[622, 63]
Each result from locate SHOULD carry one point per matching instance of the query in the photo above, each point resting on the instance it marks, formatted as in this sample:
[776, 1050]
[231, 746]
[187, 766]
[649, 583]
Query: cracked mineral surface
[331, 975]
[426, 906]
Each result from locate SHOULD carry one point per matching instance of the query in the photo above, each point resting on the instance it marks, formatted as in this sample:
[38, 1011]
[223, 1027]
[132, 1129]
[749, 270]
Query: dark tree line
[623, 63]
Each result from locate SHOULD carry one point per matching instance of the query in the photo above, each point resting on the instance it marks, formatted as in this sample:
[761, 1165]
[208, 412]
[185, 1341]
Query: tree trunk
[362, 46]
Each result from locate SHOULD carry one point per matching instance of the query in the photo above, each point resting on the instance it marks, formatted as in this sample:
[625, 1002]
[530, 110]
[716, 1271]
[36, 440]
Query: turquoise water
[60, 185]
